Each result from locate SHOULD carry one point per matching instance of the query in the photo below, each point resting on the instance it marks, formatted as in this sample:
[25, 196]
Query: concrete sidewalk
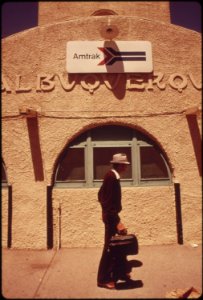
[72, 273]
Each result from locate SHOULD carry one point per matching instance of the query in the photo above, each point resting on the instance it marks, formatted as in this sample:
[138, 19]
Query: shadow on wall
[196, 140]
[120, 89]
[33, 132]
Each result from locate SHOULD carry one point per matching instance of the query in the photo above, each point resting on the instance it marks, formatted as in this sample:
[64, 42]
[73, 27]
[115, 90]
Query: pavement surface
[72, 273]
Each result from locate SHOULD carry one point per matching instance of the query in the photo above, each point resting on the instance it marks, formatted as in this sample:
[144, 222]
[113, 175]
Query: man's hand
[121, 228]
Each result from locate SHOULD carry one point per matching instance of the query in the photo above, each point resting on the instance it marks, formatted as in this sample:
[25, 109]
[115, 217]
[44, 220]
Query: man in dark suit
[110, 199]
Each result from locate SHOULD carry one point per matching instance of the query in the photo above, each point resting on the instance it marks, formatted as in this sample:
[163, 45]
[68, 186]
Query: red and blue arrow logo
[112, 56]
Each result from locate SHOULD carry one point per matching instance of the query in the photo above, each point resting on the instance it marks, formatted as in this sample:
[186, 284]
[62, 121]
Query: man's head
[120, 162]
[120, 158]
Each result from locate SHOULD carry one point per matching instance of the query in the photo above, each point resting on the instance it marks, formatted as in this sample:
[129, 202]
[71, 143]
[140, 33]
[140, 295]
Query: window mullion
[135, 160]
[139, 163]
[89, 162]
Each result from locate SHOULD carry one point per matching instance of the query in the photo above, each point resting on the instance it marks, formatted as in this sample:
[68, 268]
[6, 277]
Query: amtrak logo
[109, 57]
[112, 56]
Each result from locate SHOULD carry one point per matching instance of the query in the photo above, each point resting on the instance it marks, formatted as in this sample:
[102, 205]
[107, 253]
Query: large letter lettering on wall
[178, 85]
[91, 82]
[4, 85]
[20, 88]
[45, 83]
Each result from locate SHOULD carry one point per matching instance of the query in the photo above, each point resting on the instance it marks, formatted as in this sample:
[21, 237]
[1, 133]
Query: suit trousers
[110, 267]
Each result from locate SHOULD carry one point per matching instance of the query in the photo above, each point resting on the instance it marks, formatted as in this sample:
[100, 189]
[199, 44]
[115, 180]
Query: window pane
[72, 166]
[111, 133]
[152, 164]
[79, 140]
[102, 158]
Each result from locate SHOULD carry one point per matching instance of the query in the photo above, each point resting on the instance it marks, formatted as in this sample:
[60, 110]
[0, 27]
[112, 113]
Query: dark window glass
[79, 140]
[102, 158]
[111, 133]
[152, 164]
[71, 167]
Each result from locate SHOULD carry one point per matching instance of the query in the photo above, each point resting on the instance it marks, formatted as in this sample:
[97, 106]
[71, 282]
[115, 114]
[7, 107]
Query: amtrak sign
[109, 57]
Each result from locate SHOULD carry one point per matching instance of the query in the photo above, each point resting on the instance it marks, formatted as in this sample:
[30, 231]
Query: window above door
[86, 160]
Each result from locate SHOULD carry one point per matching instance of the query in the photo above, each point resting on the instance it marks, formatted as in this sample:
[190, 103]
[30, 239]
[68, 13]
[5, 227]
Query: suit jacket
[110, 198]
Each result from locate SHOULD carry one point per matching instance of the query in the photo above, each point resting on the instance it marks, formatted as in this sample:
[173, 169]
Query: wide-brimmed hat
[120, 158]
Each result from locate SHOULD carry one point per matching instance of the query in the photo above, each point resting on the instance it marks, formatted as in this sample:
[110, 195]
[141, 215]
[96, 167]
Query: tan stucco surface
[141, 214]
[53, 12]
[70, 105]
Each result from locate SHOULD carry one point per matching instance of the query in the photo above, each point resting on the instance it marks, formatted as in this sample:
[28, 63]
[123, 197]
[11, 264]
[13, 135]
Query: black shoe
[125, 277]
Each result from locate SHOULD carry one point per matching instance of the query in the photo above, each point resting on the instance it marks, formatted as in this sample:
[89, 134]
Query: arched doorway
[78, 175]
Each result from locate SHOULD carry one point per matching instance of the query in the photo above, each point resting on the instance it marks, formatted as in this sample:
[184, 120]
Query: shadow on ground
[131, 284]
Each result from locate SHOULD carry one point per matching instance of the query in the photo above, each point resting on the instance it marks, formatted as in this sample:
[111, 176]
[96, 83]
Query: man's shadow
[131, 284]
[120, 89]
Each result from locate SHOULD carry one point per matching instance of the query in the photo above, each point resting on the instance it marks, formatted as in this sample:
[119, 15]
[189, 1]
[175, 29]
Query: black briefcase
[123, 244]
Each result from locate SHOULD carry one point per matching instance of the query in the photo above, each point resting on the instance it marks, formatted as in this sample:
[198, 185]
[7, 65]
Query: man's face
[122, 168]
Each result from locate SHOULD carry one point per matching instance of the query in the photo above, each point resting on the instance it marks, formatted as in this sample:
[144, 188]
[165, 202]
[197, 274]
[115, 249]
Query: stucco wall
[81, 223]
[70, 105]
[63, 11]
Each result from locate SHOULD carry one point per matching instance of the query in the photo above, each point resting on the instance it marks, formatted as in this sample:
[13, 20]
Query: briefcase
[123, 244]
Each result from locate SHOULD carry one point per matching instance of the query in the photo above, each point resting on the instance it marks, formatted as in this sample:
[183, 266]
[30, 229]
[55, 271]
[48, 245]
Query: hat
[119, 158]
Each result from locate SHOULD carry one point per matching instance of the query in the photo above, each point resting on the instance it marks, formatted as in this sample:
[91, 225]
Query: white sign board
[109, 57]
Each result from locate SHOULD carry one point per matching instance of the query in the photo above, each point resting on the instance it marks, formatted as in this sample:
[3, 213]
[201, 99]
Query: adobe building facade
[59, 130]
